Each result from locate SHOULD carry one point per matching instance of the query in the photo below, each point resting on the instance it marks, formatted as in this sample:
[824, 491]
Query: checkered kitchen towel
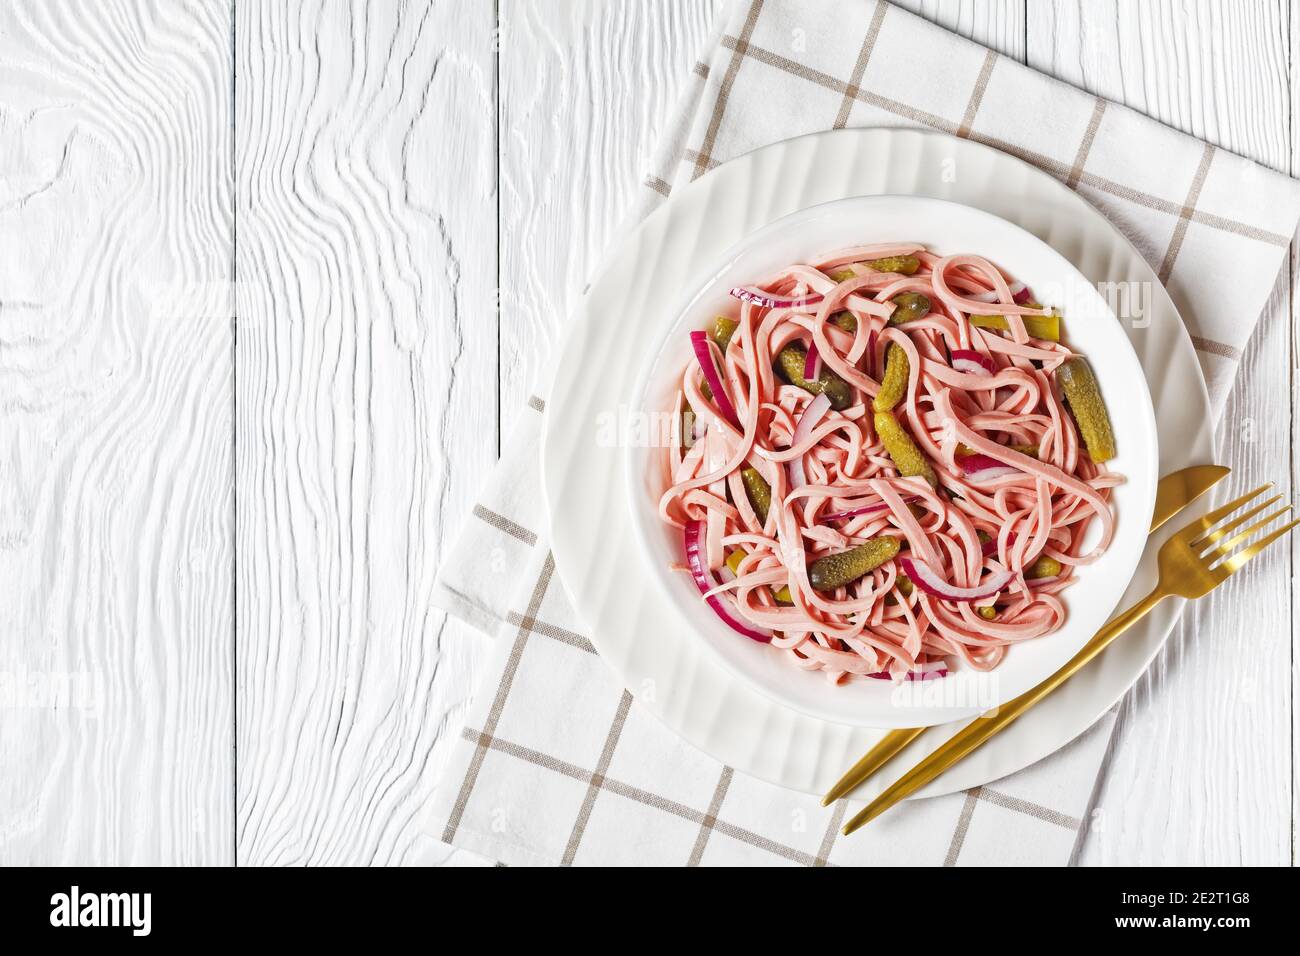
[558, 764]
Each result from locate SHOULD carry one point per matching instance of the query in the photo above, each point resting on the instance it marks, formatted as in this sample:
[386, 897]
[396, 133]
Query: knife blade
[1179, 489]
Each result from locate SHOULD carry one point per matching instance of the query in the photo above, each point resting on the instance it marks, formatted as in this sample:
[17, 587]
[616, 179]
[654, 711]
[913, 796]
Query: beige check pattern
[558, 764]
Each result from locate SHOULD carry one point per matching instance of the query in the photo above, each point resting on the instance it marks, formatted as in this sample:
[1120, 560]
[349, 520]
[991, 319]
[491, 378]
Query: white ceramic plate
[1091, 328]
[654, 649]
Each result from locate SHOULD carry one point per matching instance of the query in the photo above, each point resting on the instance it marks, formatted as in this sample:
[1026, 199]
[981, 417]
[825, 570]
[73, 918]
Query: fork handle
[974, 734]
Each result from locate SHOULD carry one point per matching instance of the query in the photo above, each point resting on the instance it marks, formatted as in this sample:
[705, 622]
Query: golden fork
[1174, 493]
[1193, 563]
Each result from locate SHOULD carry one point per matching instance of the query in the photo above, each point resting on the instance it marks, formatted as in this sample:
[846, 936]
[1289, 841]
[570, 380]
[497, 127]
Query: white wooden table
[218, 536]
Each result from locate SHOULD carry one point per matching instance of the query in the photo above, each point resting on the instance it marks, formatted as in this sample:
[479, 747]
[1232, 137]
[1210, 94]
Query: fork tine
[1197, 528]
[1229, 546]
[1218, 533]
[1235, 562]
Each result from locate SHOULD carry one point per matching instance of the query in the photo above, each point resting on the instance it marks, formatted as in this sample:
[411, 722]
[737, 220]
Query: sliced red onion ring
[705, 582]
[930, 671]
[769, 301]
[932, 583]
[972, 362]
[812, 365]
[864, 510]
[1020, 294]
[983, 468]
[704, 355]
[809, 420]
[991, 545]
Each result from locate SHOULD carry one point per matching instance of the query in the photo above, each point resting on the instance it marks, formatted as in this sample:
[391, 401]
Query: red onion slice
[812, 365]
[932, 583]
[704, 355]
[1020, 294]
[983, 468]
[930, 671]
[704, 581]
[864, 510]
[972, 362]
[812, 415]
[991, 545]
[769, 301]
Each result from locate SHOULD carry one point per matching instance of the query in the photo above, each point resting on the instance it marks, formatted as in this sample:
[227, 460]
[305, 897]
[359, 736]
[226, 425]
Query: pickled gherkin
[893, 387]
[909, 306]
[837, 570]
[845, 321]
[908, 459]
[988, 612]
[1038, 326]
[783, 596]
[1084, 398]
[723, 329]
[758, 491]
[906, 265]
[791, 361]
[1044, 567]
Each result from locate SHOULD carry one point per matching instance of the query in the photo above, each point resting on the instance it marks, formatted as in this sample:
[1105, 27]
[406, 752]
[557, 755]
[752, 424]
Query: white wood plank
[115, 442]
[1202, 771]
[367, 409]
[999, 24]
[586, 88]
[1293, 351]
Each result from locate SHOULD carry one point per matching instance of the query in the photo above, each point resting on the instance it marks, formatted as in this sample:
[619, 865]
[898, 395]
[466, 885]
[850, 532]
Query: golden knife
[1174, 493]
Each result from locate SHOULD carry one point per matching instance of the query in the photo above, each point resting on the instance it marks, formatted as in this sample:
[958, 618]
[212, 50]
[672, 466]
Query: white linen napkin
[557, 763]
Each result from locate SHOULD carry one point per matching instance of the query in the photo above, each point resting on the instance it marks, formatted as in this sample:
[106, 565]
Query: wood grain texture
[366, 391]
[999, 24]
[1203, 767]
[115, 467]
[413, 194]
[585, 89]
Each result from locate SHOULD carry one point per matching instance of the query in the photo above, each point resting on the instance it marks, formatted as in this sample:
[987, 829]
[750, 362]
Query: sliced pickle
[791, 360]
[758, 491]
[893, 387]
[905, 265]
[734, 559]
[845, 320]
[898, 443]
[836, 570]
[1046, 327]
[1044, 567]
[1089, 411]
[723, 329]
[909, 306]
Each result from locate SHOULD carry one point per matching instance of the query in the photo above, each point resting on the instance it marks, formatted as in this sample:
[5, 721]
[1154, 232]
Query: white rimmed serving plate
[655, 653]
[943, 227]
